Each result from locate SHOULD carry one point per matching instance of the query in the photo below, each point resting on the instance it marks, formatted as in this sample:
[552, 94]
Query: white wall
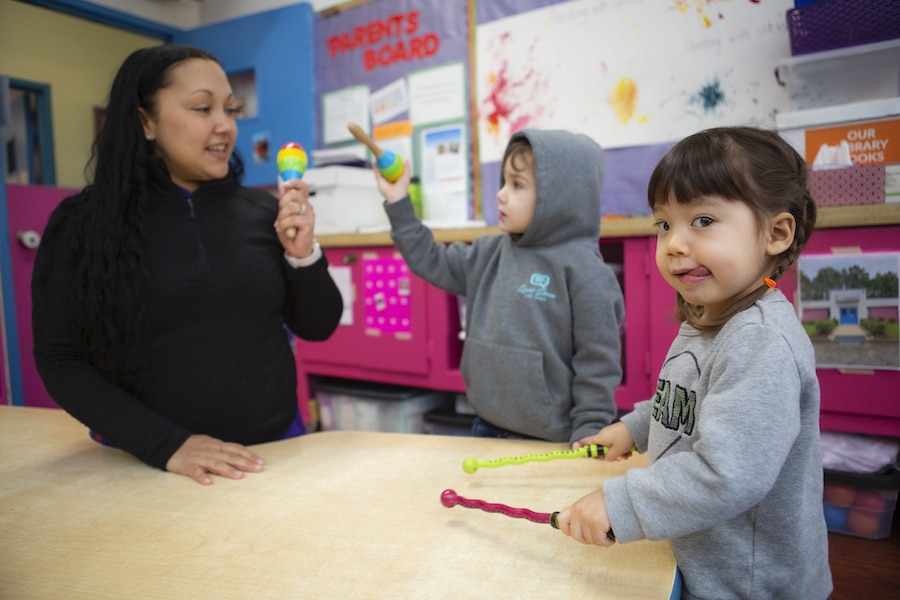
[188, 14]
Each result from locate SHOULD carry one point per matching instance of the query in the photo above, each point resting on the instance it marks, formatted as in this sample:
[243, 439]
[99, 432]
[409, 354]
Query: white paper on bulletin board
[630, 72]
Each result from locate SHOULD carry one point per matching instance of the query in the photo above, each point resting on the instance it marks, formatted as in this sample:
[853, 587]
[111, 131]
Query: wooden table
[335, 515]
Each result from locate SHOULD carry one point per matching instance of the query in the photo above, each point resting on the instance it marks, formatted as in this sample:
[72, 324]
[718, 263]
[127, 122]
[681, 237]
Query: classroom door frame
[11, 375]
[39, 132]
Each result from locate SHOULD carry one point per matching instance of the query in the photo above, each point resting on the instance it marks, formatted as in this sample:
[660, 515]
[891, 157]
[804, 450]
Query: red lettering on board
[388, 54]
[373, 33]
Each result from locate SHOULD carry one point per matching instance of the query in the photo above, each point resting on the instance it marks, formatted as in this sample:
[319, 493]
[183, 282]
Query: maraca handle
[363, 137]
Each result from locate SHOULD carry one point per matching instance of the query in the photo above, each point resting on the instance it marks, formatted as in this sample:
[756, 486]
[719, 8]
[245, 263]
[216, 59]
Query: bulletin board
[636, 75]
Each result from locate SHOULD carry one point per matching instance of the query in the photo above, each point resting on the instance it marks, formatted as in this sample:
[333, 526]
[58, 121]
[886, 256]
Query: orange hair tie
[770, 282]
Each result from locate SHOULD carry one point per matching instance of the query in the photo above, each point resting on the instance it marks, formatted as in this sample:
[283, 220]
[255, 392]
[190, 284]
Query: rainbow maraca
[292, 161]
[390, 164]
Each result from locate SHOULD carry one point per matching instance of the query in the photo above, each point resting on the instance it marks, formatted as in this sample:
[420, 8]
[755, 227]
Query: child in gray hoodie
[734, 480]
[543, 310]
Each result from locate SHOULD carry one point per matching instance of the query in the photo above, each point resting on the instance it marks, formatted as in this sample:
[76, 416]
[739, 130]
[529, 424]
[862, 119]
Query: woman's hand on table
[587, 521]
[201, 455]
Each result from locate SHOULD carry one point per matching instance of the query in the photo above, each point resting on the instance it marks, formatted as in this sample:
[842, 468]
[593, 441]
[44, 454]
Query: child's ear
[780, 233]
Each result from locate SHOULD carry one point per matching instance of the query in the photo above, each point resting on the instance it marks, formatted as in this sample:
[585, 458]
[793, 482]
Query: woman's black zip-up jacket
[219, 294]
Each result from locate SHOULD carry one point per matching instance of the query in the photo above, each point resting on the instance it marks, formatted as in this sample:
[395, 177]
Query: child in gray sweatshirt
[734, 480]
[543, 310]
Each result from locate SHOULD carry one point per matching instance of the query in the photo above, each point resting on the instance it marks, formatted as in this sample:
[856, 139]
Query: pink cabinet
[860, 401]
[397, 328]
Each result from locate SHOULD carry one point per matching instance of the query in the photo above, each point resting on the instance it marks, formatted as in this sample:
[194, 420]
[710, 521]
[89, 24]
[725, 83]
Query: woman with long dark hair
[162, 290]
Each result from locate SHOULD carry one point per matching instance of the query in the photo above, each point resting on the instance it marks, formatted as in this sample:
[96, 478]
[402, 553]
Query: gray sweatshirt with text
[735, 469]
[543, 310]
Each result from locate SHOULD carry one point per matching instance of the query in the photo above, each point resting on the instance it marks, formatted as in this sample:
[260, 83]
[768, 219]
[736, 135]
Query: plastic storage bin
[842, 76]
[346, 200]
[446, 421]
[363, 406]
[860, 504]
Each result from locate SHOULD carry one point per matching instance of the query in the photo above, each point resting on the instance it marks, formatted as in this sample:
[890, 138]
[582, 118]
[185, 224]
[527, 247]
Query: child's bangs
[702, 168]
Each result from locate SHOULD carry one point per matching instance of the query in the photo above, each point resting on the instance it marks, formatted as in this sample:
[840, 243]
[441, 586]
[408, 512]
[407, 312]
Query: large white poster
[630, 72]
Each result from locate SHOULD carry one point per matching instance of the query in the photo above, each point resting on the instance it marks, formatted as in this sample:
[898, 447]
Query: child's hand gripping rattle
[470, 465]
[449, 498]
[389, 163]
[291, 162]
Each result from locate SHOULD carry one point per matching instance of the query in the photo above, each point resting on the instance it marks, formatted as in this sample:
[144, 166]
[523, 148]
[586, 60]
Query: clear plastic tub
[842, 76]
[860, 504]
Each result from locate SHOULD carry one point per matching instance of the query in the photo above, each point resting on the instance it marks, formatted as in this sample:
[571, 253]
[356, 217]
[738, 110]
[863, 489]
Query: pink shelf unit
[861, 401]
[423, 352]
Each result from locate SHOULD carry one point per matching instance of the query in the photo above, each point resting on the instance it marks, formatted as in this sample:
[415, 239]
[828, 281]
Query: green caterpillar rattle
[470, 465]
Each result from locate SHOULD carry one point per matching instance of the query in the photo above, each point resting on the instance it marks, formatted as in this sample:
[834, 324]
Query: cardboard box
[364, 406]
[346, 200]
[867, 133]
[860, 504]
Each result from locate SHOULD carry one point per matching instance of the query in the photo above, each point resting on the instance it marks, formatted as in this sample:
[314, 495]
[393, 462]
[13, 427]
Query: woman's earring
[149, 137]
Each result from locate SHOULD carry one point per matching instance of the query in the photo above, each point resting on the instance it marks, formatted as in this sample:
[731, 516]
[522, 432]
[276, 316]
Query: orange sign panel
[868, 143]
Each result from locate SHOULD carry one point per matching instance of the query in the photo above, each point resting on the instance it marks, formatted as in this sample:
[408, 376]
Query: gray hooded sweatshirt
[543, 310]
[735, 474]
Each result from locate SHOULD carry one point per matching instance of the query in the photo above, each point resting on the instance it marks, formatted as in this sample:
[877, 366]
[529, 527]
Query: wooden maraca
[292, 161]
[390, 164]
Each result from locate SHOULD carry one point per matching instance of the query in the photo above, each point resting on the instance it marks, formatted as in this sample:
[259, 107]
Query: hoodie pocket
[506, 384]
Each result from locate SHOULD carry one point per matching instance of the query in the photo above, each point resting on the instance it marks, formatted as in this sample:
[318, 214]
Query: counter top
[828, 218]
[334, 515]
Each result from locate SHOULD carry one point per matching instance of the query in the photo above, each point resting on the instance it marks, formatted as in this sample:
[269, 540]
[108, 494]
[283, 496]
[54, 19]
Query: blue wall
[278, 46]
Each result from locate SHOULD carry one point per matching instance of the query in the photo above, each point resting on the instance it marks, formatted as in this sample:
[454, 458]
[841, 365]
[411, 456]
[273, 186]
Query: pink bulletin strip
[386, 284]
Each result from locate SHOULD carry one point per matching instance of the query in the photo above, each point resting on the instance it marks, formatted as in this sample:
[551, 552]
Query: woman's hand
[201, 455]
[295, 215]
[393, 191]
[587, 521]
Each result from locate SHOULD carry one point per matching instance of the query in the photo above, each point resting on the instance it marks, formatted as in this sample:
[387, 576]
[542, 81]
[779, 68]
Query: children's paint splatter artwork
[629, 72]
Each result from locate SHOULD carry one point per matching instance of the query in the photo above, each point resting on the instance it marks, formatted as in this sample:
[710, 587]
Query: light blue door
[849, 315]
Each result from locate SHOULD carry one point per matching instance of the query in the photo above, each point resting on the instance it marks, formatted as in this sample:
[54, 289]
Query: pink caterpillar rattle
[449, 498]
[470, 465]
